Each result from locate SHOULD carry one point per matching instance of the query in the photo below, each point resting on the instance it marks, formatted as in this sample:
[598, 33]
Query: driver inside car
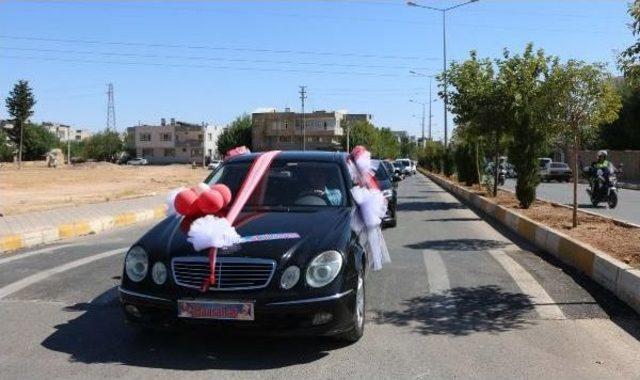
[318, 185]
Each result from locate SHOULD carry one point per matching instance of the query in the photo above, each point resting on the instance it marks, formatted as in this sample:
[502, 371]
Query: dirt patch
[619, 241]
[36, 187]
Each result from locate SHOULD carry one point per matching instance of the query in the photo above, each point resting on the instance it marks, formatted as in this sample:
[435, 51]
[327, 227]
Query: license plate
[239, 311]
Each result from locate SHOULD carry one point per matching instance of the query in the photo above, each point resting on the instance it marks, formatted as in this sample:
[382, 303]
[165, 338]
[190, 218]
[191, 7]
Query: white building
[65, 132]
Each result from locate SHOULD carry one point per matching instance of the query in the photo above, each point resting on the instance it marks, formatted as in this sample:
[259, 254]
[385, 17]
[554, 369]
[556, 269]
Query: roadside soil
[36, 187]
[619, 241]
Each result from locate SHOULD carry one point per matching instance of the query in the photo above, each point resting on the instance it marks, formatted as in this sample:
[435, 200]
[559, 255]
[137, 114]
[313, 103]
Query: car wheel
[354, 334]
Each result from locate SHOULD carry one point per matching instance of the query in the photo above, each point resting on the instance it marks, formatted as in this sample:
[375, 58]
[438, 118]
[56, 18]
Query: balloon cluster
[202, 200]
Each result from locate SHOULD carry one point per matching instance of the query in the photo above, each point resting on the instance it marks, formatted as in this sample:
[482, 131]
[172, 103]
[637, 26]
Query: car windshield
[289, 184]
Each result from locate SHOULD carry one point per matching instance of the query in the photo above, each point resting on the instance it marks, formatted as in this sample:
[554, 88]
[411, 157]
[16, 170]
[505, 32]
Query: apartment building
[175, 142]
[284, 130]
[66, 132]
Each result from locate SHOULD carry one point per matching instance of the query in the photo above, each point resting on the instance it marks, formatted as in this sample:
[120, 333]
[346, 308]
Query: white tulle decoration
[171, 199]
[372, 204]
[372, 207]
[211, 231]
[363, 162]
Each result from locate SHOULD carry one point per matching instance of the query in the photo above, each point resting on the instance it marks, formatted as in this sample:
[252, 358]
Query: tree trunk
[496, 164]
[576, 145]
[20, 146]
[478, 161]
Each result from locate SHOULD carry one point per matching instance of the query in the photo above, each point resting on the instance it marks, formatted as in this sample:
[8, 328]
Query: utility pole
[423, 112]
[430, 102]
[111, 115]
[303, 96]
[69, 146]
[348, 130]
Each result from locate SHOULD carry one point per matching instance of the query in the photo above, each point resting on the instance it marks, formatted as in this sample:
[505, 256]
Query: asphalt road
[460, 300]
[628, 208]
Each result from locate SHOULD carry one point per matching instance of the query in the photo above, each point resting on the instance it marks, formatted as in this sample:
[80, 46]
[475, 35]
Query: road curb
[79, 228]
[614, 275]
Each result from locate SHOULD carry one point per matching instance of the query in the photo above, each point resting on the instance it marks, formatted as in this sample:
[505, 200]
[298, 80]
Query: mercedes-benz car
[308, 281]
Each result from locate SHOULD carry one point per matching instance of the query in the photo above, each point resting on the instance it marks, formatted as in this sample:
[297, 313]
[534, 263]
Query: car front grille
[232, 273]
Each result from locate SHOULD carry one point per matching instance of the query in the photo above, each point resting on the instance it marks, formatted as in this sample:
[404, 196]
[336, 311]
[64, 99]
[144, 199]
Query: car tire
[357, 331]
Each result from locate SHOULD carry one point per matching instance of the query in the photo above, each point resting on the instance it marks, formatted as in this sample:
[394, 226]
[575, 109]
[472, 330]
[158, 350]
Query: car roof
[296, 155]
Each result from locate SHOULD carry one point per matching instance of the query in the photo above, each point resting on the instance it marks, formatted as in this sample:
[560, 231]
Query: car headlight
[290, 277]
[324, 268]
[159, 273]
[387, 193]
[136, 264]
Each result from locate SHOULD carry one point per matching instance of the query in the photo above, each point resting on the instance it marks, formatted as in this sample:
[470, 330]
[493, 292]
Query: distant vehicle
[392, 170]
[386, 182]
[406, 166]
[138, 161]
[558, 171]
[543, 167]
[603, 185]
[214, 164]
[398, 169]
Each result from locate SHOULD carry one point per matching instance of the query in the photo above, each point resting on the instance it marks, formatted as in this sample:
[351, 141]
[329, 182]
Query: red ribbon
[259, 168]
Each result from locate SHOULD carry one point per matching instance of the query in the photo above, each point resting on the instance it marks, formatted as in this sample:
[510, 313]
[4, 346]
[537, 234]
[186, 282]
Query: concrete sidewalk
[26, 230]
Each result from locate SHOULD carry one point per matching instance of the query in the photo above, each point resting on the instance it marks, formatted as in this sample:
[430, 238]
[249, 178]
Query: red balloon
[210, 201]
[185, 201]
[224, 191]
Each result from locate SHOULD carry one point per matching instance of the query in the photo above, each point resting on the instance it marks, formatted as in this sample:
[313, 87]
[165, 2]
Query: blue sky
[213, 60]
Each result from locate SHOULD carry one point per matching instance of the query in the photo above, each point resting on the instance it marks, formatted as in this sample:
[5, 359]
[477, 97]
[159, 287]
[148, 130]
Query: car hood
[318, 230]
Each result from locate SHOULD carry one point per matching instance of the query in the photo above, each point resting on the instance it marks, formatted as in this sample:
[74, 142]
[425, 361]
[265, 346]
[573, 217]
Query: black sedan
[309, 281]
[388, 186]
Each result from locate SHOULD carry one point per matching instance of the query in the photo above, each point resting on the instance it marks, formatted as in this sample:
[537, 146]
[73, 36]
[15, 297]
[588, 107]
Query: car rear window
[559, 165]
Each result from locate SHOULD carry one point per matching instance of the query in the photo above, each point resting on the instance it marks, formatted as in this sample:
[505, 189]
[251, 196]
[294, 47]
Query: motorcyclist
[603, 164]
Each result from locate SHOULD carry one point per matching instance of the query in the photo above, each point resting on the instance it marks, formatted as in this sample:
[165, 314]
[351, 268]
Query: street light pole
[444, 76]
[444, 54]
[430, 102]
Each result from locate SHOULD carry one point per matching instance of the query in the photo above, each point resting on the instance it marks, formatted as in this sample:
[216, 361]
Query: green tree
[584, 98]
[238, 133]
[103, 145]
[478, 100]
[388, 146]
[37, 141]
[7, 148]
[408, 148]
[523, 80]
[629, 59]
[362, 133]
[19, 105]
[624, 132]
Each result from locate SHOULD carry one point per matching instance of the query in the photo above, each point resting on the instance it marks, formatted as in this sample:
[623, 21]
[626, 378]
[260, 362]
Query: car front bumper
[283, 317]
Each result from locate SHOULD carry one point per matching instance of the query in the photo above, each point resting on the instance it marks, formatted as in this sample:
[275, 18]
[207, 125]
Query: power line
[117, 54]
[219, 67]
[209, 47]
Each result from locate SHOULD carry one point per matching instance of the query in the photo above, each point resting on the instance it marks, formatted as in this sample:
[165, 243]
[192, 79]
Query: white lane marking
[545, 305]
[32, 253]
[436, 271]
[21, 284]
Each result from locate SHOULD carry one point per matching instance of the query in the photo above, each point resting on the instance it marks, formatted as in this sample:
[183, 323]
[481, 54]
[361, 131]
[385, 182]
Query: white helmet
[602, 153]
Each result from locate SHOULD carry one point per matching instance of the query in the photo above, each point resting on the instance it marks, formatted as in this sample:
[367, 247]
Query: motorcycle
[502, 176]
[603, 186]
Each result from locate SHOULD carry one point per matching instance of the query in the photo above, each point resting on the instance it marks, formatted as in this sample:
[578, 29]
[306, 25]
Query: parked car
[214, 164]
[310, 285]
[388, 186]
[406, 166]
[398, 169]
[138, 161]
[558, 171]
[392, 170]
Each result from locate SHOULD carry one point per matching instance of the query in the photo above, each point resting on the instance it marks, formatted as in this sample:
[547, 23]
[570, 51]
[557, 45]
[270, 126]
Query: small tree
[361, 133]
[523, 82]
[238, 133]
[38, 141]
[19, 105]
[585, 98]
